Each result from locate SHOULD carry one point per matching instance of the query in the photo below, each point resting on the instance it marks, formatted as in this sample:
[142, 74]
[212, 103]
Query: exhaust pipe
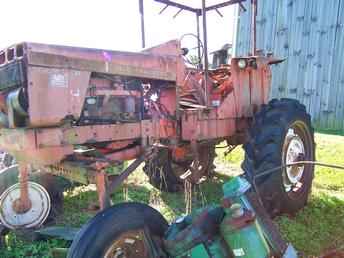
[16, 100]
[3, 120]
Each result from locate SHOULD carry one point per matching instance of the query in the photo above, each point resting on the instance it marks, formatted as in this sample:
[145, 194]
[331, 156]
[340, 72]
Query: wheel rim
[297, 145]
[128, 245]
[34, 217]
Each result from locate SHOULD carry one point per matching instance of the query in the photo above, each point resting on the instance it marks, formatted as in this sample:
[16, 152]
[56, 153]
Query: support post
[108, 184]
[118, 180]
[205, 42]
[102, 189]
[23, 203]
[199, 44]
[142, 14]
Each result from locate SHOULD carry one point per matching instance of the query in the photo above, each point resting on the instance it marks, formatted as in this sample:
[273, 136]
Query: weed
[318, 227]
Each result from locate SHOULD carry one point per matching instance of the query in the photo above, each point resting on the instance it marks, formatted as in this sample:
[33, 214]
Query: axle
[23, 203]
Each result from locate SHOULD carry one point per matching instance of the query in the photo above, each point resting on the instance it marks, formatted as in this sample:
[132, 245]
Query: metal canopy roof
[195, 6]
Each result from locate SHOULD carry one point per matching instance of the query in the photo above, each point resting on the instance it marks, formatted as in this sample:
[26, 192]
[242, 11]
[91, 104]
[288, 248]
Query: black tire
[269, 139]
[168, 178]
[100, 232]
[6, 160]
[53, 184]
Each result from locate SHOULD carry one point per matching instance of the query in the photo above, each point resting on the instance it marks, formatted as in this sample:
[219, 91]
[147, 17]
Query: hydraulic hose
[304, 162]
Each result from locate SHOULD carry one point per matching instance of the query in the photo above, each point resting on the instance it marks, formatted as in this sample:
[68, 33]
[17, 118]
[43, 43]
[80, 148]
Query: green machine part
[220, 231]
[245, 242]
[240, 228]
[215, 249]
[192, 235]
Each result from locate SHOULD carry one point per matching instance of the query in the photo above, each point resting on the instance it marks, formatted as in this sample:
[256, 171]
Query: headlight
[242, 63]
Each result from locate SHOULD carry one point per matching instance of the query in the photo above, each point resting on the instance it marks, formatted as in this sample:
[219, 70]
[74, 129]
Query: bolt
[21, 207]
[237, 210]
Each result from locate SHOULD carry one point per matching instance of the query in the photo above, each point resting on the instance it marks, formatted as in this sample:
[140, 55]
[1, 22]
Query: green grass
[314, 230]
[319, 226]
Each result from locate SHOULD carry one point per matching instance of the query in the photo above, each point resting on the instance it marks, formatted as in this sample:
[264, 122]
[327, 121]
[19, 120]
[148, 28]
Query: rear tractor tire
[281, 133]
[166, 174]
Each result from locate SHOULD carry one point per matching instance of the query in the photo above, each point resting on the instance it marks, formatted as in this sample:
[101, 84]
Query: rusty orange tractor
[76, 112]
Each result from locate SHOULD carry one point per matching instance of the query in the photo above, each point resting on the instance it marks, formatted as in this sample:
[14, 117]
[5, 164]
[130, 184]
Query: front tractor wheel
[126, 230]
[281, 133]
[167, 174]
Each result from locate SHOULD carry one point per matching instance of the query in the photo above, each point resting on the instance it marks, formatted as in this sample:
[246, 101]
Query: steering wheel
[190, 55]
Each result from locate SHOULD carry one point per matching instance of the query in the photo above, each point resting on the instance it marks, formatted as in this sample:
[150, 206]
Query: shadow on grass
[79, 203]
[210, 192]
[318, 228]
[172, 205]
[328, 187]
[329, 131]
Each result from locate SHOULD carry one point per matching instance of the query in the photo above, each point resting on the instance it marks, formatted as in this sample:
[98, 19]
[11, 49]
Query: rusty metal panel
[241, 82]
[22, 143]
[100, 133]
[260, 83]
[250, 89]
[226, 127]
[144, 65]
[227, 109]
[55, 94]
[170, 48]
[46, 146]
[43, 156]
[17, 139]
[189, 122]
[22, 139]
[196, 126]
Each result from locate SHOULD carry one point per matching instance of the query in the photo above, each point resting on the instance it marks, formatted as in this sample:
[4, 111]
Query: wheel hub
[21, 207]
[294, 149]
[128, 245]
[34, 216]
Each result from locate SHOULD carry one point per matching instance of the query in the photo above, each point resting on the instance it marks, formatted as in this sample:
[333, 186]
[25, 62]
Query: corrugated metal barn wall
[310, 34]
